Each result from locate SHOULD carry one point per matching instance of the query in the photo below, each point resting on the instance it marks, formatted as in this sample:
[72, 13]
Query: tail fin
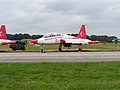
[3, 34]
[82, 33]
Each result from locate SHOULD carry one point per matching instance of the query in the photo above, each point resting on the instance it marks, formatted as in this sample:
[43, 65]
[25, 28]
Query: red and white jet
[65, 40]
[3, 37]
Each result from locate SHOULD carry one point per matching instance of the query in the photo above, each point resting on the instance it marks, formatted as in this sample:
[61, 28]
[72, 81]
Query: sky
[101, 17]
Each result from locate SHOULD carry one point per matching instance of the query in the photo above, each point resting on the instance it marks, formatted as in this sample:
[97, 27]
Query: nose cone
[34, 41]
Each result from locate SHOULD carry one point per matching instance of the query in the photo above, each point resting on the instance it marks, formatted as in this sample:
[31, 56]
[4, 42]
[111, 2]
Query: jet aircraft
[65, 40]
[3, 37]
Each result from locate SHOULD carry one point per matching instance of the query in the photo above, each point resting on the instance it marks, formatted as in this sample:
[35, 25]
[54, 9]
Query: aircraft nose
[34, 41]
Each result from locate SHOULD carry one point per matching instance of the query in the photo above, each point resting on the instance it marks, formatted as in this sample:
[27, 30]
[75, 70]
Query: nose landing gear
[42, 51]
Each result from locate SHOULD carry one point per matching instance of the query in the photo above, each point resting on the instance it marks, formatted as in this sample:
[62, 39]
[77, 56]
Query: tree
[102, 38]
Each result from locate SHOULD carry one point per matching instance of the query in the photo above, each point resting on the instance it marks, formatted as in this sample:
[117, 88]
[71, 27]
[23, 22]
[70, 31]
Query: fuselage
[57, 38]
[53, 38]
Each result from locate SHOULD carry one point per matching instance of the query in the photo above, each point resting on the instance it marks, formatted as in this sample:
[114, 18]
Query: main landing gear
[60, 48]
[80, 48]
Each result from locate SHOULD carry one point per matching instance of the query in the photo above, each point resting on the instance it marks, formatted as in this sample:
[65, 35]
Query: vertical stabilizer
[82, 33]
[3, 34]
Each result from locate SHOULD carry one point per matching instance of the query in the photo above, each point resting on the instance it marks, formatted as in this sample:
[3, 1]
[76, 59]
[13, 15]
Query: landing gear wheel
[60, 49]
[42, 51]
[80, 48]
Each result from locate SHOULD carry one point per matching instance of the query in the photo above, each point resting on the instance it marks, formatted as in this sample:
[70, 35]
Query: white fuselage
[55, 38]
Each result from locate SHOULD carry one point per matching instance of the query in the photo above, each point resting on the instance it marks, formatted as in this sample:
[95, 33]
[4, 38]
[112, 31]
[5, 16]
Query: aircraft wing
[79, 41]
[6, 42]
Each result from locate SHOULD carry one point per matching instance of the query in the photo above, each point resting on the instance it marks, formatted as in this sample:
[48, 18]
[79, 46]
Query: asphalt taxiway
[22, 57]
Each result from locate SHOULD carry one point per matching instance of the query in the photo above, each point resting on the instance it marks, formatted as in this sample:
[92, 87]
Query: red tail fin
[3, 34]
[82, 33]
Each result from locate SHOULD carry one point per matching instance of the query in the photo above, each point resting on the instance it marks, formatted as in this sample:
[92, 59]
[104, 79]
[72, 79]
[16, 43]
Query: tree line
[23, 36]
[101, 38]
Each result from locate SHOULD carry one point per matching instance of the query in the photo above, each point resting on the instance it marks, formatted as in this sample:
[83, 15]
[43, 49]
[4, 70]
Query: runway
[29, 57]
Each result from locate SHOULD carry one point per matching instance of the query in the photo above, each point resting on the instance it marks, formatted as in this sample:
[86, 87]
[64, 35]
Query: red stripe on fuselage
[52, 38]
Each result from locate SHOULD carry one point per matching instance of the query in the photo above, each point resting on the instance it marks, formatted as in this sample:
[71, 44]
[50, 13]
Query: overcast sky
[101, 17]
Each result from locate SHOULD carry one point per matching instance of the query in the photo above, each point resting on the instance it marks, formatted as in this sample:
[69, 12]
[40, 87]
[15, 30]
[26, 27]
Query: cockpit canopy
[57, 35]
[52, 35]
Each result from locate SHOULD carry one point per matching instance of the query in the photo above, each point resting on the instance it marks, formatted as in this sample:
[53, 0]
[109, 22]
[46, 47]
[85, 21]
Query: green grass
[60, 76]
[103, 47]
[88, 48]
[5, 48]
